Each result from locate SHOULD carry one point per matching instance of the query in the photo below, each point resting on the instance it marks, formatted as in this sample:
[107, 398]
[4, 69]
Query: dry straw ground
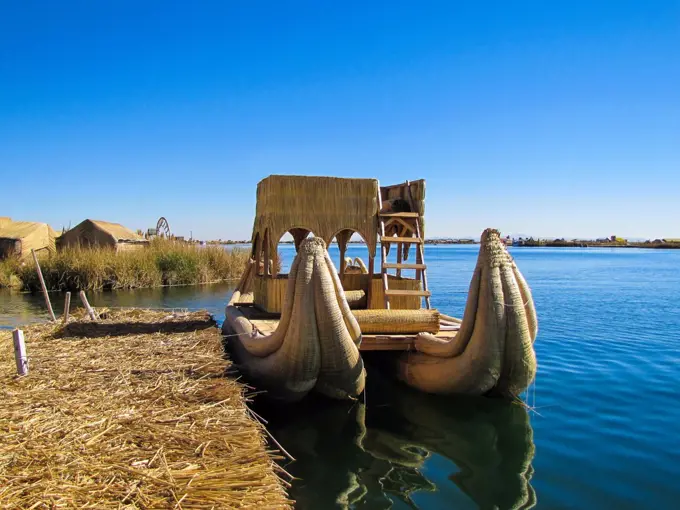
[130, 420]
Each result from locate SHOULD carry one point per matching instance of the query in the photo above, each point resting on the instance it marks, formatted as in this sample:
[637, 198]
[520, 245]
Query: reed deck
[267, 323]
[131, 411]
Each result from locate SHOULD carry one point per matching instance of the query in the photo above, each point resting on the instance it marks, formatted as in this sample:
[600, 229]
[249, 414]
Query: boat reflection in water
[406, 449]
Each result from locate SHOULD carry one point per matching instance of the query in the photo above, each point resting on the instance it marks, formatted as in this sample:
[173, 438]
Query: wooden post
[258, 254]
[267, 255]
[369, 290]
[20, 352]
[67, 307]
[343, 250]
[400, 251]
[44, 287]
[87, 306]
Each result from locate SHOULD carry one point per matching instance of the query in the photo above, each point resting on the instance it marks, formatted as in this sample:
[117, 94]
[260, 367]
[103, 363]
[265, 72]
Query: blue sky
[547, 118]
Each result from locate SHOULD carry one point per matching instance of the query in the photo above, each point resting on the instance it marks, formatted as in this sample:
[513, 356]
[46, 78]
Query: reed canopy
[324, 206]
[18, 238]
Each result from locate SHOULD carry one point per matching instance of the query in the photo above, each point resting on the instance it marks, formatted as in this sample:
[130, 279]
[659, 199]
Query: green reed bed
[160, 263]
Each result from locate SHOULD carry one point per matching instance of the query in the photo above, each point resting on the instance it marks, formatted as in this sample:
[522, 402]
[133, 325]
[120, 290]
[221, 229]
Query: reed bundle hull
[302, 332]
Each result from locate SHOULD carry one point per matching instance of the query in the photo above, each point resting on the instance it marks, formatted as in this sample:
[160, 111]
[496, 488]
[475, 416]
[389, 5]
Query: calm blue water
[604, 433]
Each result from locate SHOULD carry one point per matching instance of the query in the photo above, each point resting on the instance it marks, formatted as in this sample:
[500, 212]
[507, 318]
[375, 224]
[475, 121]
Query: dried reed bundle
[355, 298]
[315, 344]
[493, 350]
[134, 421]
[397, 321]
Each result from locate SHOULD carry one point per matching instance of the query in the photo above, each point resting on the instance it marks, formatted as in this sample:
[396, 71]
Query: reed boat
[304, 331]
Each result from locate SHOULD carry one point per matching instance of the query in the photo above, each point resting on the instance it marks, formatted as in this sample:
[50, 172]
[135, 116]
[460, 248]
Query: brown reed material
[134, 421]
[397, 321]
[322, 205]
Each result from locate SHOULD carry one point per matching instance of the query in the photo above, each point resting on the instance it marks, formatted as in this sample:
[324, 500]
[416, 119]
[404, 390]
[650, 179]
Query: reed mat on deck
[130, 421]
[397, 321]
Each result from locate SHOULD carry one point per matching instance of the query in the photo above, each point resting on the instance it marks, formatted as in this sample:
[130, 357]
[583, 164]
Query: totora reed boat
[304, 331]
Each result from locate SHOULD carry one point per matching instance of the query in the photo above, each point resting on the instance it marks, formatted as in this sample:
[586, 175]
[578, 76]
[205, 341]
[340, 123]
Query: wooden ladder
[408, 233]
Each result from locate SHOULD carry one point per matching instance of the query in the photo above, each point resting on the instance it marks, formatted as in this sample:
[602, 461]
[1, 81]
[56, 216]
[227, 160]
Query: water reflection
[406, 449]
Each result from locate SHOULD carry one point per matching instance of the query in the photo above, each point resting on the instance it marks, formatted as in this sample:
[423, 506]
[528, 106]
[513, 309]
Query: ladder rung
[390, 265]
[400, 215]
[400, 292]
[414, 240]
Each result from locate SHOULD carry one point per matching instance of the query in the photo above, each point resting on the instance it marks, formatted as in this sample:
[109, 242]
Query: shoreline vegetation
[163, 262]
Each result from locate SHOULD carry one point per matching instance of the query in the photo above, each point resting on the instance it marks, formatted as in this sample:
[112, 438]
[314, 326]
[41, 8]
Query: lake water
[604, 432]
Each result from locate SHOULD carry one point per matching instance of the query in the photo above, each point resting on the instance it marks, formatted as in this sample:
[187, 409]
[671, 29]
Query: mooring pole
[67, 307]
[87, 306]
[20, 352]
[44, 287]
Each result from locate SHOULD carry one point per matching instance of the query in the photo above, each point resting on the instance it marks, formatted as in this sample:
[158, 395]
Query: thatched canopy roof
[116, 230]
[324, 206]
[97, 232]
[30, 234]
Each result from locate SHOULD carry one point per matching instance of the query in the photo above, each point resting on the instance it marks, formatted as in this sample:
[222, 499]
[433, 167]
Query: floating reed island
[131, 411]
[303, 332]
[159, 262]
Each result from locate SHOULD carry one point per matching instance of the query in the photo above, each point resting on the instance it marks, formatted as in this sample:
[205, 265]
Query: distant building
[18, 238]
[91, 233]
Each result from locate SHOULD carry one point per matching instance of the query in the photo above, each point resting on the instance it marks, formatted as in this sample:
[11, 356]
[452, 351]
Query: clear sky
[550, 118]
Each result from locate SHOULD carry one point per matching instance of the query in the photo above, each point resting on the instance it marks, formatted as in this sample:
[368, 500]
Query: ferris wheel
[162, 228]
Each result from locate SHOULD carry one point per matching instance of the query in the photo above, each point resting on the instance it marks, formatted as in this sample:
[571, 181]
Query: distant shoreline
[528, 243]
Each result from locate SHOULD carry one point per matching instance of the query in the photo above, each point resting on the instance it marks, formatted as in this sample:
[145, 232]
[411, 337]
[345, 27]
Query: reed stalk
[163, 262]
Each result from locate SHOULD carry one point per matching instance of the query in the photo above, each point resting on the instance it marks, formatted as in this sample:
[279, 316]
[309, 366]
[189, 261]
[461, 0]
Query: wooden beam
[406, 292]
[409, 240]
[387, 342]
[371, 270]
[391, 265]
[400, 215]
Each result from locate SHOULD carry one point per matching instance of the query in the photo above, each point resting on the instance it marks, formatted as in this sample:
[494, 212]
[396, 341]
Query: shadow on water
[406, 449]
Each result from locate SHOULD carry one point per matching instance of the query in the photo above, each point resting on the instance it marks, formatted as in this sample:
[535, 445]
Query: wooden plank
[387, 342]
[391, 265]
[410, 240]
[399, 215]
[399, 292]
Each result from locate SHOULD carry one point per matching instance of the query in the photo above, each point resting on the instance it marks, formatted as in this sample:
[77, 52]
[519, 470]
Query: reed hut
[18, 238]
[91, 233]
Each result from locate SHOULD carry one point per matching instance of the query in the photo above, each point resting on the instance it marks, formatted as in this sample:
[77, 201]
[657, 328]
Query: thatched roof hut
[325, 206]
[101, 233]
[18, 238]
